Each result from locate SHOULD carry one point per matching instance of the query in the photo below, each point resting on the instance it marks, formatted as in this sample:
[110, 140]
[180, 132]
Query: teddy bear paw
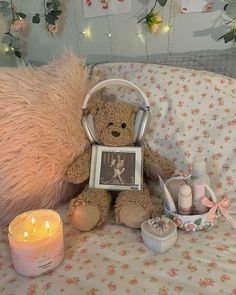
[89, 209]
[85, 218]
[133, 215]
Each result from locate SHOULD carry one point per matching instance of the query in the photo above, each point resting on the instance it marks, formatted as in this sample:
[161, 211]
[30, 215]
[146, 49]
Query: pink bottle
[198, 188]
[185, 200]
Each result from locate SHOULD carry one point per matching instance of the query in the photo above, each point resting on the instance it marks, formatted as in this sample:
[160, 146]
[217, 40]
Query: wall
[190, 32]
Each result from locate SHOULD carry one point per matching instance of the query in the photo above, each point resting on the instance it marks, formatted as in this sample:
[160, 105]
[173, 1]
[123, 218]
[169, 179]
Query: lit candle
[36, 242]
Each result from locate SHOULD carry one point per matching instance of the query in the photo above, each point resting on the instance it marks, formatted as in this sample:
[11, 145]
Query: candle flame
[33, 220]
[26, 235]
[47, 225]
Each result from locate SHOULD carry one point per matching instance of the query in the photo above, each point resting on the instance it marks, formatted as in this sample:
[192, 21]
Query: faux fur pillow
[40, 133]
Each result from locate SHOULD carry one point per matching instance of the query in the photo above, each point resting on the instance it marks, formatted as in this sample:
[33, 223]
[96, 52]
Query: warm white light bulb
[109, 35]
[166, 28]
[87, 32]
[26, 235]
[141, 37]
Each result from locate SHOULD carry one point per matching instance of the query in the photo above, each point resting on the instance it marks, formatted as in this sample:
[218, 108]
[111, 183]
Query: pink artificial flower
[190, 227]
[53, 28]
[19, 25]
[154, 27]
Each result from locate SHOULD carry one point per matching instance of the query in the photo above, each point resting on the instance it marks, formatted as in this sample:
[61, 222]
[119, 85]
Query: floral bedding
[193, 112]
[113, 260]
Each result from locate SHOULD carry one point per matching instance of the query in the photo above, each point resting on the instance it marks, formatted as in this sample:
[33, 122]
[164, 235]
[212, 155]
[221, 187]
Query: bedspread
[113, 260]
[193, 112]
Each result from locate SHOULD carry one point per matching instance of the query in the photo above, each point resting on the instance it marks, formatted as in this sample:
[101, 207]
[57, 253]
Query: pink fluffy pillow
[41, 133]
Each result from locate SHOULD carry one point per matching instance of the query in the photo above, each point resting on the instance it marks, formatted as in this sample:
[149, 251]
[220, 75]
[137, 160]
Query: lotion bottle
[199, 169]
[185, 200]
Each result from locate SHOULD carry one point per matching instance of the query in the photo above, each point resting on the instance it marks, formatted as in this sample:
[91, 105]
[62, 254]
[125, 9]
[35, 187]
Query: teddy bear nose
[115, 133]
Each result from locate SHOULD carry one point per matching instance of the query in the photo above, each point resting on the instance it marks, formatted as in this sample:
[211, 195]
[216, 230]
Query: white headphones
[141, 121]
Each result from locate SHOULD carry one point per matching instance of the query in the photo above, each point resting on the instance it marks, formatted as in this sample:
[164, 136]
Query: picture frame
[116, 168]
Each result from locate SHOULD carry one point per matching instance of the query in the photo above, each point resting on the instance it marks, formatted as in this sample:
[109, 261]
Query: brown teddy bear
[114, 123]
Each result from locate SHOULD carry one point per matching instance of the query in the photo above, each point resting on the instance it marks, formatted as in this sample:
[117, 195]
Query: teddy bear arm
[79, 170]
[155, 164]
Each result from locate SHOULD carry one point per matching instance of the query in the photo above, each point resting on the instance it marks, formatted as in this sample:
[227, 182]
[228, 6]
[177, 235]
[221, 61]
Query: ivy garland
[51, 15]
[230, 10]
[153, 19]
[18, 23]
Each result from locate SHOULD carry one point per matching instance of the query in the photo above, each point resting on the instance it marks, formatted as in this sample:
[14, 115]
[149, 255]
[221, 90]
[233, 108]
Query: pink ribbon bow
[223, 208]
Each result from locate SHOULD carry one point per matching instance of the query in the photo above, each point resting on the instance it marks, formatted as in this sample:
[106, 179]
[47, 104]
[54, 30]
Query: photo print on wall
[189, 6]
[96, 8]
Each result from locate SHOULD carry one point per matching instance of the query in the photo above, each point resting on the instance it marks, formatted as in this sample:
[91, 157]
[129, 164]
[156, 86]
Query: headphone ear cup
[141, 126]
[87, 121]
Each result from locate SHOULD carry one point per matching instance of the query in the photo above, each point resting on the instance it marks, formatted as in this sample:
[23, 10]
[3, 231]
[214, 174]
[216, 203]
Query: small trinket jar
[159, 233]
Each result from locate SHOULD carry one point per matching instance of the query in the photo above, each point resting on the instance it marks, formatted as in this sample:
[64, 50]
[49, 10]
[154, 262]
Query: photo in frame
[116, 168]
[190, 6]
[97, 8]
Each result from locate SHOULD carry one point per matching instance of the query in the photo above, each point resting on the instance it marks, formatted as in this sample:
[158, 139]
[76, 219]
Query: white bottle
[185, 200]
[199, 169]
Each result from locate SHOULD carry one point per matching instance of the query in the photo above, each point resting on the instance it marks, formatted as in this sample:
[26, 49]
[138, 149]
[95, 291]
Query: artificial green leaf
[48, 4]
[36, 19]
[162, 2]
[228, 38]
[18, 54]
[21, 14]
[6, 39]
[193, 177]
[198, 221]
[56, 12]
[51, 19]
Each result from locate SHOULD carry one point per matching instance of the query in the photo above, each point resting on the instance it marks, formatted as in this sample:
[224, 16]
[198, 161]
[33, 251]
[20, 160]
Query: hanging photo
[189, 6]
[95, 8]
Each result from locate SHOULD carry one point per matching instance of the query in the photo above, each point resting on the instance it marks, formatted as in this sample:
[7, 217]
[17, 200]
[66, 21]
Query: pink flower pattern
[205, 259]
[112, 259]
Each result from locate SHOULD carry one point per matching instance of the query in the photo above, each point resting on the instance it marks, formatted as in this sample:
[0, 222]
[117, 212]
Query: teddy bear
[114, 124]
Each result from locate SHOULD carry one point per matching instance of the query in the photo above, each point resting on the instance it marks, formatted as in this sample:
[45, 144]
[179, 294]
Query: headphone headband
[121, 82]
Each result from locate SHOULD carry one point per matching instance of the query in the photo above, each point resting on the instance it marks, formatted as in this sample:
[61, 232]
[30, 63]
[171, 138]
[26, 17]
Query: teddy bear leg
[89, 209]
[133, 207]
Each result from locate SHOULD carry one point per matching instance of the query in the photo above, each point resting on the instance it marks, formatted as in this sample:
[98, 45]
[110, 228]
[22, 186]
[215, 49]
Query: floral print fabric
[193, 112]
[112, 259]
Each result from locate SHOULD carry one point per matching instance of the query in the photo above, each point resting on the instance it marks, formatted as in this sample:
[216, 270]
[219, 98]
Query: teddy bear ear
[95, 105]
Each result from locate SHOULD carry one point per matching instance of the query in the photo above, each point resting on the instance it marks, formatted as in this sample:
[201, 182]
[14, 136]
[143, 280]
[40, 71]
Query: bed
[193, 112]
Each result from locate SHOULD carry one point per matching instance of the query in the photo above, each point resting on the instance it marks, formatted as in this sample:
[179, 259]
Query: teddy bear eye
[110, 124]
[123, 125]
